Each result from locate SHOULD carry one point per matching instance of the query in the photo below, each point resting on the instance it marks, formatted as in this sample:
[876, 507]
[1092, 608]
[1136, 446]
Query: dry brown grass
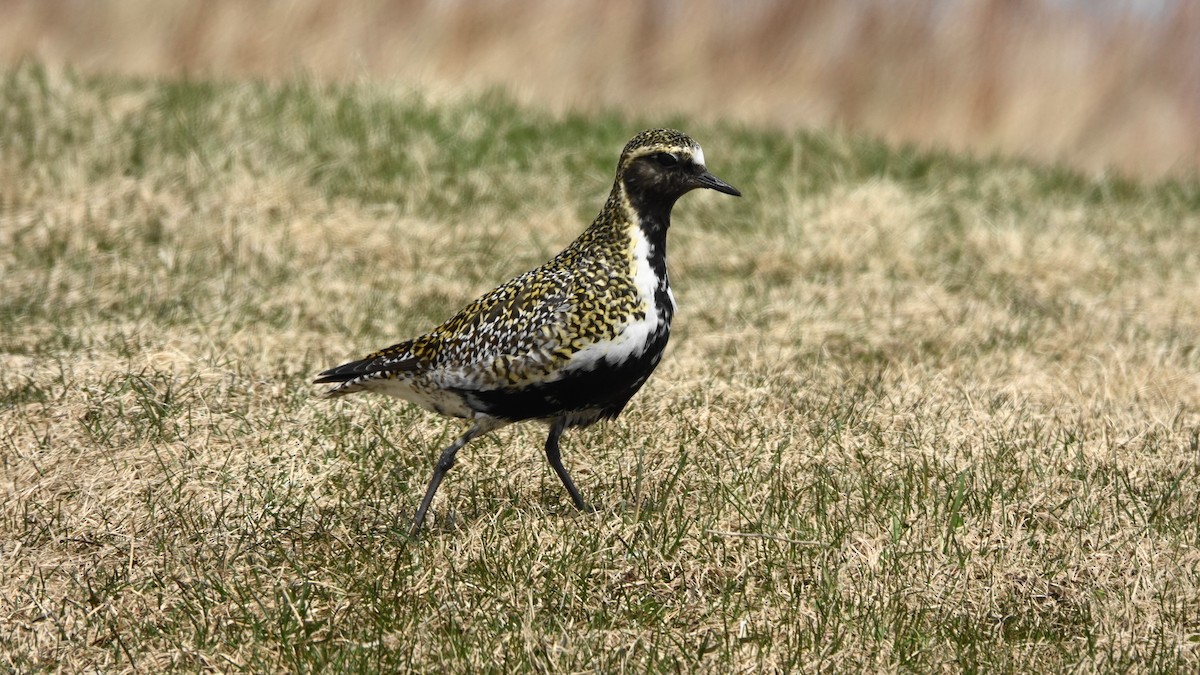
[1103, 84]
[918, 412]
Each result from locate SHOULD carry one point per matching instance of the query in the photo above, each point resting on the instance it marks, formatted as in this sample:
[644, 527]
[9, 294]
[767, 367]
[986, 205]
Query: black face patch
[659, 179]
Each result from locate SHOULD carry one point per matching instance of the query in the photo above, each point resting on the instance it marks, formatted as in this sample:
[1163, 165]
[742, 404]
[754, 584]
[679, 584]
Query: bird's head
[661, 165]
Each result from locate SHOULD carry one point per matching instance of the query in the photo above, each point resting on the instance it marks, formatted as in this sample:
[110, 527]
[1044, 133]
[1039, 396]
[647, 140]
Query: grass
[920, 412]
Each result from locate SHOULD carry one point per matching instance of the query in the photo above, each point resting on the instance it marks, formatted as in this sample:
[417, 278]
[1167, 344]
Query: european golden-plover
[568, 343]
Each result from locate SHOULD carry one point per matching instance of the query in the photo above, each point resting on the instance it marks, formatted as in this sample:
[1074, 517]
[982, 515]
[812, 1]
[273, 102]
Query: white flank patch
[632, 339]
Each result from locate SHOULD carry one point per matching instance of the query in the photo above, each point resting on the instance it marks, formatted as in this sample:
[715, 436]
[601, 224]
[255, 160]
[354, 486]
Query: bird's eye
[666, 159]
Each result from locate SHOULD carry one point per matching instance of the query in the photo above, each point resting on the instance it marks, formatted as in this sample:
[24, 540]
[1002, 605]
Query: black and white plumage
[568, 343]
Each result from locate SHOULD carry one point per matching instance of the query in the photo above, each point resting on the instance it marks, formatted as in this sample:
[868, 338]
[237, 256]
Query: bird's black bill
[710, 181]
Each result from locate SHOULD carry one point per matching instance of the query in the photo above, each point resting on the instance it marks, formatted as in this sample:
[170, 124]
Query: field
[919, 412]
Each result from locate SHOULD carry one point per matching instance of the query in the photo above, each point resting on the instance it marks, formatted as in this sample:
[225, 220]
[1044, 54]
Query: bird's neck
[651, 216]
[646, 228]
[650, 210]
[621, 235]
[622, 224]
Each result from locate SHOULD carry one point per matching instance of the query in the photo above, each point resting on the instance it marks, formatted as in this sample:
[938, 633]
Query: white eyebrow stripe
[698, 156]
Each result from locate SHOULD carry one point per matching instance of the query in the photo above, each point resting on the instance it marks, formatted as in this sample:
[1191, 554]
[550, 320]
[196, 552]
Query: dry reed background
[1096, 84]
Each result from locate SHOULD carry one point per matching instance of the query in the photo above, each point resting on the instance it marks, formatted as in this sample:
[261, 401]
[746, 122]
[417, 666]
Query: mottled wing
[512, 335]
[506, 337]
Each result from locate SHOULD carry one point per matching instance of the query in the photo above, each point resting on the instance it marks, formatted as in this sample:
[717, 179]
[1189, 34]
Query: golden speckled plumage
[521, 331]
[568, 342]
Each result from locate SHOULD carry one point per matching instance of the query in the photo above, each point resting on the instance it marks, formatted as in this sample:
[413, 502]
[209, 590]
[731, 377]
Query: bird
[568, 343]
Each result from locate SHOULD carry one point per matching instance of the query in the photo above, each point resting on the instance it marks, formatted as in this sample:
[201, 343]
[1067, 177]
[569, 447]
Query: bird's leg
[555, 458]
[439, 471]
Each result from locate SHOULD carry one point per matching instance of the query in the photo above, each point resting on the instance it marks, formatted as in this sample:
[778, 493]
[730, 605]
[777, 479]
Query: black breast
[601, 392]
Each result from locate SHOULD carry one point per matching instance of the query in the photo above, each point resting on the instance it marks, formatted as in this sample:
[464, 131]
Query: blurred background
[1102, 85]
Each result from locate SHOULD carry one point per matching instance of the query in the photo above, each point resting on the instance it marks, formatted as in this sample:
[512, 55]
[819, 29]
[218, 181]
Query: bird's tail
[354, 376]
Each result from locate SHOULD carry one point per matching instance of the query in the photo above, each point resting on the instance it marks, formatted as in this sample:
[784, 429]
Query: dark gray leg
[439, 471]
[555, 459]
